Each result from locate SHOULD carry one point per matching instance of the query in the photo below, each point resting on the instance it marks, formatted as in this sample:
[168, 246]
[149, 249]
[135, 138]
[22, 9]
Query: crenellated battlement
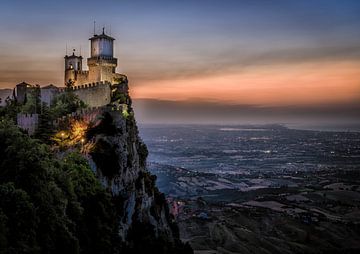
[26, 115]
[86, 86]
[28, 122]
[93, 61]
[82, 72]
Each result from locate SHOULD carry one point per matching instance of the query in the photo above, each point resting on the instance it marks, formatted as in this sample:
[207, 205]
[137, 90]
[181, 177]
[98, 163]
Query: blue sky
[182, 45]
[178, 32]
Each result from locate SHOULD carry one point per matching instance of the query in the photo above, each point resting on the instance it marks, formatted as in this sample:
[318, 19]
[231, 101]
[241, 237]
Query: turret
[102, 46]
[102, 63]
[21, 91]
[73, 64]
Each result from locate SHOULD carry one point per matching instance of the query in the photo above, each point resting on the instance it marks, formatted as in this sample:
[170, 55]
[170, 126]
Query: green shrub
[49, 205]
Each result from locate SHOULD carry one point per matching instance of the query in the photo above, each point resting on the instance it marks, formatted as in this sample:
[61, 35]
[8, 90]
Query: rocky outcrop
[118, 158]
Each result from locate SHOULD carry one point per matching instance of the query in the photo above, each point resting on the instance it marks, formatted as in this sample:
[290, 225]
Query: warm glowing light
[74, 135]
[78, 129]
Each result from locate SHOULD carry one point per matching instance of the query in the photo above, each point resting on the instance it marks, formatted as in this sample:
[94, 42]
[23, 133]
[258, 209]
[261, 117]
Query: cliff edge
[79, 183]
[117, 156]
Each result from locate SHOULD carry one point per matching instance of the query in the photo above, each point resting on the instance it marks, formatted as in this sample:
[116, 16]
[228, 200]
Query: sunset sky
[266, 53]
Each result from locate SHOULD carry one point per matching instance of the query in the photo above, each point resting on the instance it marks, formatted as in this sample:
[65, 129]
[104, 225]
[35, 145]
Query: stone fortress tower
[73, 68]
[94, 87]
[102, 64]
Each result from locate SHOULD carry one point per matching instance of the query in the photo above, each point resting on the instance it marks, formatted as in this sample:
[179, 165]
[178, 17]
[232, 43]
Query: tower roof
[23, 84]
[51, 86]
[73, 56]
[102, 36]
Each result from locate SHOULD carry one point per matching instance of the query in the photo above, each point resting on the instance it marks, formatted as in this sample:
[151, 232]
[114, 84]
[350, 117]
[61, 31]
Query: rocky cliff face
[118, 157]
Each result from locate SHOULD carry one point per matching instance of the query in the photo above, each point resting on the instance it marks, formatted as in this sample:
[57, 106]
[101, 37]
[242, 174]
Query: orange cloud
[292, 84]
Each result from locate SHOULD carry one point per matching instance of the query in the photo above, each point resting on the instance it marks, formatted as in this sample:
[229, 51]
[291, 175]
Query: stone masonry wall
[28, 122]
[94, 94]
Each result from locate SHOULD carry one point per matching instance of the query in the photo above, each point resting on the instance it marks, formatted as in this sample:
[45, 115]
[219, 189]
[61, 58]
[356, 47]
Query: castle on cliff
[101, 63]
[93, 86]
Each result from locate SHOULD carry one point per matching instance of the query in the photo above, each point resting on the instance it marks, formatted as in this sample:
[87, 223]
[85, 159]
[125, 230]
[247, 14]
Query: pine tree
[45, 128]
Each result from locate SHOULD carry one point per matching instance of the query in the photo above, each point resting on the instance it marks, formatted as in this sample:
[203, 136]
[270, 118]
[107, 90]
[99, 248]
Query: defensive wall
[89, 115]
[94, 94]
[47, 94]
[28, 122]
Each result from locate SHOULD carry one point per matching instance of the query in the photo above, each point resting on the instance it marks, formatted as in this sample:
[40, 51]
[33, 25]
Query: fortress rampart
[102, 61]
[97, 87]
[82, 72]
[89, 115]
[86, 86]
[28, 122]
[82, 77]
[94, 94]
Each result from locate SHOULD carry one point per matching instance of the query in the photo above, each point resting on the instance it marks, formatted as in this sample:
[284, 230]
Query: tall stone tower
[102, 63]
[73, 67]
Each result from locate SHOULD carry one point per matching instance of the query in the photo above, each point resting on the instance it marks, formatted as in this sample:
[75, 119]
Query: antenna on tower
[80, 50]
[94, 27]
[66, 51]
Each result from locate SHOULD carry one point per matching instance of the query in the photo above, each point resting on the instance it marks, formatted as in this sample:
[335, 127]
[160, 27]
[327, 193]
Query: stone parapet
[28, 122]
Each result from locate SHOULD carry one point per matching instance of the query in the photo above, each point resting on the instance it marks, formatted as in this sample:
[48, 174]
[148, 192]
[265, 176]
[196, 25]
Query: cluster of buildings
[92, 86]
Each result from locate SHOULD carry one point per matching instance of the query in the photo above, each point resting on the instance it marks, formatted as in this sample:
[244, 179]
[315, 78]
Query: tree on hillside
[45, 128]
[49, 205]
[10, 110]
[33, 101]
[65, 103]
